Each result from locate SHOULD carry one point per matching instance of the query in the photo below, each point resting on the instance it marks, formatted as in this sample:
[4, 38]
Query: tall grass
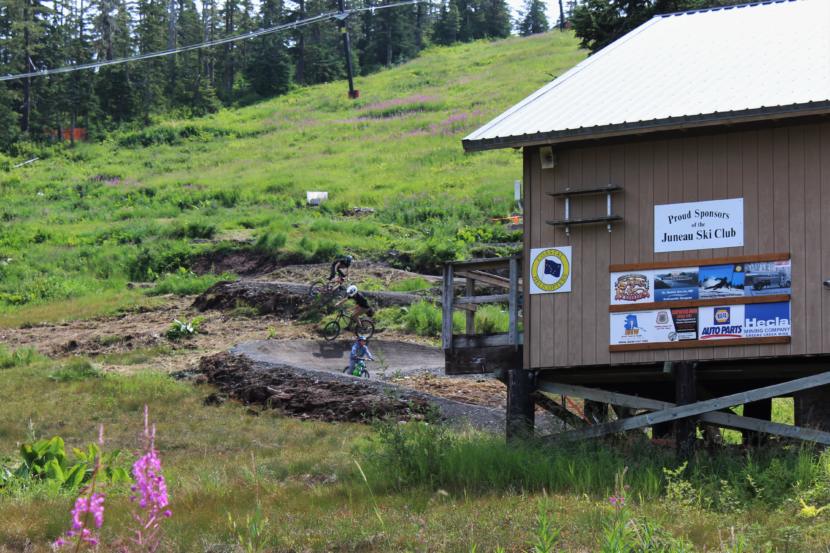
[422, 455]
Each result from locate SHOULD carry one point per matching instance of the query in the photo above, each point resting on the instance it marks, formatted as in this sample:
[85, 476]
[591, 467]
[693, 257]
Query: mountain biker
[359, 353]
[361, 303]
[340, 267]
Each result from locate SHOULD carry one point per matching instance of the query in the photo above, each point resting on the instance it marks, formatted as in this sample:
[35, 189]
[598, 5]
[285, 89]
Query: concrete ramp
[391, 356]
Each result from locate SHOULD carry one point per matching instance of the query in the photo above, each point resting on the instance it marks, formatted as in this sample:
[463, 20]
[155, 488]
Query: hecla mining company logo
[723, 327]
[550, 264]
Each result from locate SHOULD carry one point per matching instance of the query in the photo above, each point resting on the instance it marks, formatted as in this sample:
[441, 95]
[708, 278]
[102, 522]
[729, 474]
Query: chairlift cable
[207, 44]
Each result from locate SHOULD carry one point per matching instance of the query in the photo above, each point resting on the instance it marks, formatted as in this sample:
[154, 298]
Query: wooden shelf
[585, 221]
[680, 263]
[689, 344]
[586, 191]
[705, 302]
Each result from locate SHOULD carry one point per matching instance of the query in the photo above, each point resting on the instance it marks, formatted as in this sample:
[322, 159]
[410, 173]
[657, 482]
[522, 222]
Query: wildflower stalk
[88, 504]
[150, 490]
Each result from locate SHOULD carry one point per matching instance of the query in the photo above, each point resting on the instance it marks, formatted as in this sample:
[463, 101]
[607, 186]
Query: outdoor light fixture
[548, 157]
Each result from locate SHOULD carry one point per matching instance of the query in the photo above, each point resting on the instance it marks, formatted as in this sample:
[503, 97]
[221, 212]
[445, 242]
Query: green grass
[425, 489]
[83, 221]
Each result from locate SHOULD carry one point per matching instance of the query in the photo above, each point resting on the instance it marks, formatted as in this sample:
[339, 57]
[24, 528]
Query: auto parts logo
[722, 316]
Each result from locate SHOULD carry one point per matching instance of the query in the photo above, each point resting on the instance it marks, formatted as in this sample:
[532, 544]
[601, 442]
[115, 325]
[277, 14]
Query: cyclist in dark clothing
[361, 303]
[340, 267]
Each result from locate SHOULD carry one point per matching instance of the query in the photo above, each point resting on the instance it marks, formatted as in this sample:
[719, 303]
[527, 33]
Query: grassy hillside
[86, 220]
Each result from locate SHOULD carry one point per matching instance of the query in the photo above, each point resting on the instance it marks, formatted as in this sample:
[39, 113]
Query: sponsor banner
[721, 323]
[632, 287]
[721, 281]
[766, 278]
[699, 225]
[676, 284]
[654, 327]
[767, 319]
[550, 270]
[727, 322]
[732, 280]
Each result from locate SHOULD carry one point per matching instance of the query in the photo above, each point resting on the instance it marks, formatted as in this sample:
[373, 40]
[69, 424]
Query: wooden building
[677, 217]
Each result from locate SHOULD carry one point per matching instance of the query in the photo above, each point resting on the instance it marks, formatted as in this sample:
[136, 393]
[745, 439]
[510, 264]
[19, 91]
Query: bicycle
[364, 327]
[359, 369]
[321, 287]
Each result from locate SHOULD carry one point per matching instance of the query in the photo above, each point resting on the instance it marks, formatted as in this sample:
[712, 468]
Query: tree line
[42, 34]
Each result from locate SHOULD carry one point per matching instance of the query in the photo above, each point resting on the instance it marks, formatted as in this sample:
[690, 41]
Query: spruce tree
[269, 68]
[496, 19]
[446, 27]
[534, 18]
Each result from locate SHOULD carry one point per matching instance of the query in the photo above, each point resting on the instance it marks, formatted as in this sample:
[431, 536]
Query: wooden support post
[447, 301]
[685, 429]
[558, 410]
[719, 418]
[596, 411]
[513, 303]
[470, 316]
[520, 405]
[812, 408]
[701, 407]
[758, 410]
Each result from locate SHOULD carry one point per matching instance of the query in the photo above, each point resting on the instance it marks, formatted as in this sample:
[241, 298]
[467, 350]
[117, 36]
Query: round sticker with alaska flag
[550, 270]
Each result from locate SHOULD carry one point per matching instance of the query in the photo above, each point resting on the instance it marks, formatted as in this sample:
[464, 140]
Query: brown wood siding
[783, 175]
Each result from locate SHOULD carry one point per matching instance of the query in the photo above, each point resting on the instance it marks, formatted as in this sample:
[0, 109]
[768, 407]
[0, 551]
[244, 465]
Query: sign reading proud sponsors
[550, 270]
[699, 225]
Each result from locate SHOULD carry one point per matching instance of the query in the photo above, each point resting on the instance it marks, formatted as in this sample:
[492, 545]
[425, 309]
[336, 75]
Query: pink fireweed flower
[84, 506]
[150, 487]
[617, 501]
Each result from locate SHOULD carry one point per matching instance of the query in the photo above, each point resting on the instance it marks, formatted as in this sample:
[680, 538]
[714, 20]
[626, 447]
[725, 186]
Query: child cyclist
[360, 352]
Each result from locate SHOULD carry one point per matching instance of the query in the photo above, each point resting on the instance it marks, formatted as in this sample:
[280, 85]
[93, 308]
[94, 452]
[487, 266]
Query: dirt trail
[392, 357]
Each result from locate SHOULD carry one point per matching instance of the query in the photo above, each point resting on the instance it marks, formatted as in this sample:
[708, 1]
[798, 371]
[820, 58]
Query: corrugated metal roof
[761, 60]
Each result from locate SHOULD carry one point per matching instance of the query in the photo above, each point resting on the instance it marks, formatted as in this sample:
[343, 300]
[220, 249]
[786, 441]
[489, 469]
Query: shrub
[186, 283]
[423, 318]
[75, 370]
[413, 284]
[193, 229]
[491, 319]
[183, 329]
[271, 241]
[17, 358]
[163, 257]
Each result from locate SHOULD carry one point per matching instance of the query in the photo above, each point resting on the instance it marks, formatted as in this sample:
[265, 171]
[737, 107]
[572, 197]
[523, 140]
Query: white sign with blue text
[699, 225]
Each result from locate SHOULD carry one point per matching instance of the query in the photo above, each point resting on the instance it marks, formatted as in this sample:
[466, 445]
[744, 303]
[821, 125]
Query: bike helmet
[361, 338]
[351, 290]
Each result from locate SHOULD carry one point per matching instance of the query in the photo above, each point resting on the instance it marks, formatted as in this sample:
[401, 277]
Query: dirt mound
[309, 395]
[284, 299]
[241, 262]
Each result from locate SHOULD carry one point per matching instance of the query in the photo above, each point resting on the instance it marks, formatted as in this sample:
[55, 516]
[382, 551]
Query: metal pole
[347, 49]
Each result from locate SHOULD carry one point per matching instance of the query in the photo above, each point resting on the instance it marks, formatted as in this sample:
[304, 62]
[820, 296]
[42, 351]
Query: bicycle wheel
[316, 289]
[364, 327]
[331, 331]
[364, 373]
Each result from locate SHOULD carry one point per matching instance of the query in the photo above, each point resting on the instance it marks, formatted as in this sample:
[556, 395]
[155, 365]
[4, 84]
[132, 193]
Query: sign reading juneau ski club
[550, 270]
[699, 225]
